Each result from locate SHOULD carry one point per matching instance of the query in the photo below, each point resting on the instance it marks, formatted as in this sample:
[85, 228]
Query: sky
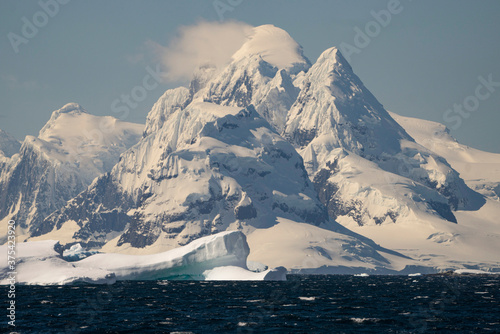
[435, 60]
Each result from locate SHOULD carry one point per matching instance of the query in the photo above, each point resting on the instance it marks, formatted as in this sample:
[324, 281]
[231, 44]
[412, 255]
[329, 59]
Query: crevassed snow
[474, 242]
[300, 246]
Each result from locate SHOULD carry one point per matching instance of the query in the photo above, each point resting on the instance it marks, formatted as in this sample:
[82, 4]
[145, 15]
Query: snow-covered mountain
[479, 169]
[207, 168]
[261, 73]
[209, 161]
[363, 163]
[471, 243]
[285, 150]
[70, 151]
[328, 114]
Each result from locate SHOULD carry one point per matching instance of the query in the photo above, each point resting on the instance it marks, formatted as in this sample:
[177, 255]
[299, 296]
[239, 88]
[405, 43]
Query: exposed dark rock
[245, 212]
[443, 210]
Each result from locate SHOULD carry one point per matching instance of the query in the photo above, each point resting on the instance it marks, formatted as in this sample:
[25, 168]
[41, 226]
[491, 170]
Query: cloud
[14, 82]
[204, 43]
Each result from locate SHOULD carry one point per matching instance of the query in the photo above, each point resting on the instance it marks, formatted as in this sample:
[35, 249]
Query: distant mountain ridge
[70, 151]
[8, 144]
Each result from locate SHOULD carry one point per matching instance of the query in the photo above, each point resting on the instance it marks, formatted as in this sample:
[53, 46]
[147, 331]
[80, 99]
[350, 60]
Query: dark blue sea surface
[303, 304]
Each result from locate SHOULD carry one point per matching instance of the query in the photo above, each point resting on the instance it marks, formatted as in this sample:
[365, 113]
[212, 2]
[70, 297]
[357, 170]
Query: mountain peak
[332, 66]
[276, 47]
[333, 56]
[335, 104]
[71, 107]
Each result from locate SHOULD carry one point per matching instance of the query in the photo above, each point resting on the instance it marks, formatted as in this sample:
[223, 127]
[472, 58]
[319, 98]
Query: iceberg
[76, 252]
[231, 273]
[473, 272]
[221, 256]
[38, 263]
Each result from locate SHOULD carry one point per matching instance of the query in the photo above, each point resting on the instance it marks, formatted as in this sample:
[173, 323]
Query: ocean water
[303, 304]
